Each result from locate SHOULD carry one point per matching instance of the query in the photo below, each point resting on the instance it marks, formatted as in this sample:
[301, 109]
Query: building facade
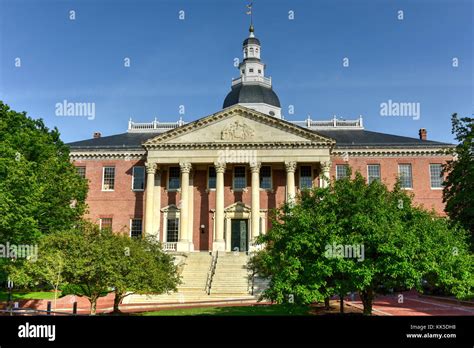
[211, 184]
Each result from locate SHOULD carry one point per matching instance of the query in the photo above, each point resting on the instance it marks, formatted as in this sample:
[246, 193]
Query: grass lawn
[44, 295]
[258, 310]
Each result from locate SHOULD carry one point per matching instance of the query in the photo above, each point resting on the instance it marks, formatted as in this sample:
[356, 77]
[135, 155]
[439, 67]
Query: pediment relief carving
[238, 125]
[237, 130]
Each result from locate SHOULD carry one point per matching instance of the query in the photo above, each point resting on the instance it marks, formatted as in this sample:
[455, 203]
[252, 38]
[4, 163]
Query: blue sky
[190, 62]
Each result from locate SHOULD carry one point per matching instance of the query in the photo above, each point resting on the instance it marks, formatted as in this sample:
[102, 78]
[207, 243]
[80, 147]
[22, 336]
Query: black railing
[210, 273]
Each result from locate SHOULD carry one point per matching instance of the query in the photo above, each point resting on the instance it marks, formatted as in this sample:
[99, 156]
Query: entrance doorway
[239, 235]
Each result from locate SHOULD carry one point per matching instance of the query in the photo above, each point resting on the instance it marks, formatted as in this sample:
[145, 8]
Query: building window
[81, 171]
[405, 174]
[138, 180]
[243, 72]
[259, 71]
[172, 228]
[173, 178]
[250, 70]
[108, 179]
[136, 228]
[211, 179]
[373, 172]
[341, 171]
[436, 175]
[266, 177]
[240, 179]
[306, 177]
[105, 224]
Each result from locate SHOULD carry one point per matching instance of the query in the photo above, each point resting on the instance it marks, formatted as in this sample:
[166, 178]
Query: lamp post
[10, 298]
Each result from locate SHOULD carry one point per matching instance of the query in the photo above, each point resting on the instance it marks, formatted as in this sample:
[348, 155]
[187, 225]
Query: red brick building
[211, 183]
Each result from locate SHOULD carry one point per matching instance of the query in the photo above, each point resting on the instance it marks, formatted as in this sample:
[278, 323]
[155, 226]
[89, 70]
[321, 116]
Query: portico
[215, 142]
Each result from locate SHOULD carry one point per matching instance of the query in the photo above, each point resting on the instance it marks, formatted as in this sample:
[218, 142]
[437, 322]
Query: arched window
[251, 51]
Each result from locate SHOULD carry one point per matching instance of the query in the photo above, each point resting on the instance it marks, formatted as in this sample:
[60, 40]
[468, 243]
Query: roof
[344, 139]
[251, 94]
[251, 40]
[126, 141]
[363, 138]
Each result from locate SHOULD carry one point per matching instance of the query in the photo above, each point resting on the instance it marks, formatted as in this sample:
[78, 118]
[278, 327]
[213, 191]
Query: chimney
[422, 133]
[97, 135]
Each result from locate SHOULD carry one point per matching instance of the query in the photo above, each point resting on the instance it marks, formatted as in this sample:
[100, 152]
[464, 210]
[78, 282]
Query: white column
[191, 211]
[157, 204]
[255, 209]
[326, 173]
[183, 244]
[219, 243]
[150, 182]
[290, 180]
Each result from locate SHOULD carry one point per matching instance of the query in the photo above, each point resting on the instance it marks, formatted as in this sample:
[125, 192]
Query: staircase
[231, 275]
[194, 275]
[229, 283]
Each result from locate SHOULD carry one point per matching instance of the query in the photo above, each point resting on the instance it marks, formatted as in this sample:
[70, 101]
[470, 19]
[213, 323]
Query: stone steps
[231, 276]
[230, 282]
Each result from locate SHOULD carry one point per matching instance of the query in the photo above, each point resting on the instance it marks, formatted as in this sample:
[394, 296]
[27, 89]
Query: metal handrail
[210, 273]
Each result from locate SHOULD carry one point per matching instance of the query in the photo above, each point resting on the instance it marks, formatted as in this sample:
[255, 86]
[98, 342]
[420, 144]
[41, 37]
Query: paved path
[414, 305]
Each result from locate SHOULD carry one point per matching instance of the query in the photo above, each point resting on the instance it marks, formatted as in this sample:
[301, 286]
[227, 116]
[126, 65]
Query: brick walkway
[414, 305]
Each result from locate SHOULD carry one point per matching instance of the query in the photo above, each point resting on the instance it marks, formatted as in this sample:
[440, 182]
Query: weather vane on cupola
[252, 89]
[249, 12]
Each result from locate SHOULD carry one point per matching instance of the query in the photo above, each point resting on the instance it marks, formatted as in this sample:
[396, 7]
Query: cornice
[104, 154]
[391, 152]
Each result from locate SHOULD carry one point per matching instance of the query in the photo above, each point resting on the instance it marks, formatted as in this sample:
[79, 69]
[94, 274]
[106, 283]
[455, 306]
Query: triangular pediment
[238, 207]
[238, 125]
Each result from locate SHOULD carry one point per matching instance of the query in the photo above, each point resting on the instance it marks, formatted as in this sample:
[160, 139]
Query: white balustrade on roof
[334, 124]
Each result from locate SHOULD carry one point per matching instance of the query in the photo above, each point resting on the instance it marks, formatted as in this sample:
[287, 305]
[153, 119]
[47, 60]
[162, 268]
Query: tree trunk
[93, 305]
[327, 306]
[341, 303]
[367, 298]
[117, 299]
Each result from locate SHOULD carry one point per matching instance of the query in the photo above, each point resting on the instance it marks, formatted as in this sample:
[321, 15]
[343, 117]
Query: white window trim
[341, 165]
[133, 178]
[173, 210]
[380, 171]
[207, 180]
[168, 180]
[299, 176]
[411, 170]
[103, 178]
[271, 179]
[100, 222]
[85, 171]
[130, 228]
[233, 180]
[429, 172]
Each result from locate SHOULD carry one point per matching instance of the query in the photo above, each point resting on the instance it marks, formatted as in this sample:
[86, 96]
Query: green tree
[459, 184]
[91, 263]
[40, 190]
[305, 250]
[141, 267]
